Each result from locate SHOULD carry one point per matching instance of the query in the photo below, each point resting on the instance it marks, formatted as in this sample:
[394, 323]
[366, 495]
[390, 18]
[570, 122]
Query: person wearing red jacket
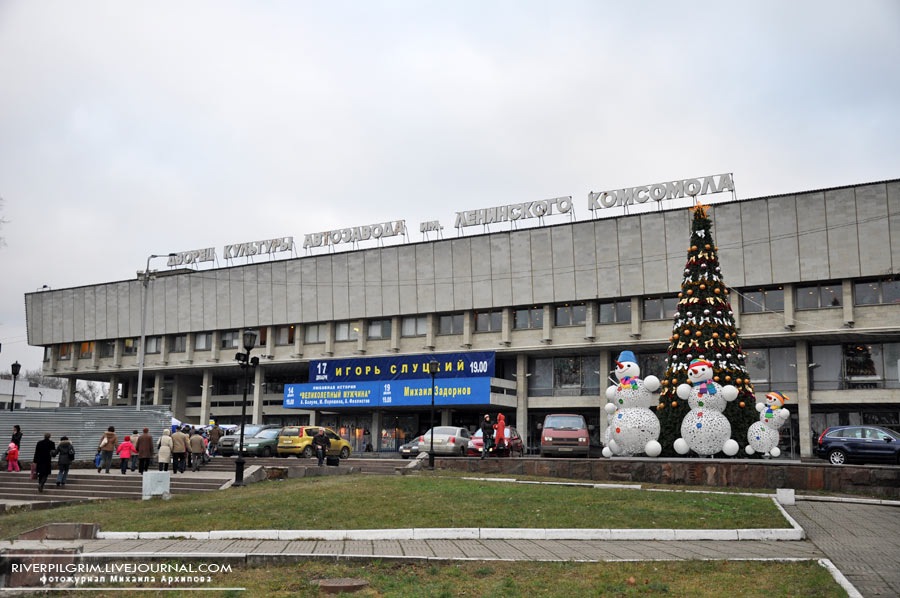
[125, 450]
[12, 457]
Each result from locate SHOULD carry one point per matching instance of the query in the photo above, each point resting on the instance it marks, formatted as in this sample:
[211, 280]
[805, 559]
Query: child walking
[12, 457]
[125, 450]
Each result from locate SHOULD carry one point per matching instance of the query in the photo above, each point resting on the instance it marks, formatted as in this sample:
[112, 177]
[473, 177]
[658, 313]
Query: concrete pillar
[362, 336]
[205, 395]
[789, 307]
[157, 389]
[847, 302]
[604, 363]
[299, 334]
[590, 320]
[377, 417]
[257, 388]
[506, 326]
[431, 321]
[395, 334]
[113, 390]
[468, 328]
[69, 393]
[189, 346]
[522, 394]
[216, 349]
[803, 399]
[547, 332]
[637, 317]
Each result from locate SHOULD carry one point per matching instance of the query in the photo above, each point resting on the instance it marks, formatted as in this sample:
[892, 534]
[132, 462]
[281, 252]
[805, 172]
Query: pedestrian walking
[215, 434]
[487, 434]
[44, 452]
[125, 450]
[500, 433]
[144, 446]
[179, 451]
[107, 446]
[164, 456]
[66, 453]
[17, 440]
[12, 457]
[198, 448]
[321, 443]
[134, 456]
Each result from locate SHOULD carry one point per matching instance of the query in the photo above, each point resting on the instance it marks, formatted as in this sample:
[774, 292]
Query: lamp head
[249, 339]
[15, 369]
[433, 366]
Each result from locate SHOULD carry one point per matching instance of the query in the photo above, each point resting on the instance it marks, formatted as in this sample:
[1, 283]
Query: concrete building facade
[815, 298]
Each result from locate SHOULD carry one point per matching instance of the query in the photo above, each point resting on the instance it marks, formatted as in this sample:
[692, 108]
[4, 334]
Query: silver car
[448, 440]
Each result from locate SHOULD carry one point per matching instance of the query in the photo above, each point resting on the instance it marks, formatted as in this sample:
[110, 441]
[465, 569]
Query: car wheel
[345, 453]
[267, 452]
[307, 453]
[837, 457]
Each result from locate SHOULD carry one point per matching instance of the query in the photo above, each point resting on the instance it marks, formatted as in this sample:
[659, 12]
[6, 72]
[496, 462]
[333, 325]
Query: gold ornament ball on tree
[674, 403]
[742, 404]
[693, 248]
[716, 291]
[707, 246]
[661, 406]
[702, 287]
[715, 335]
[698, 334]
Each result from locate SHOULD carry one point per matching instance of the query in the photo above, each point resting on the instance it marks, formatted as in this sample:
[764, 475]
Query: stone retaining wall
[876, 480]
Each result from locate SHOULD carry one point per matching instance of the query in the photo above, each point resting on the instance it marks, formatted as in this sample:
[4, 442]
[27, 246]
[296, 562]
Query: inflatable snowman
[705, 429]
[633, 427]
[763, 435]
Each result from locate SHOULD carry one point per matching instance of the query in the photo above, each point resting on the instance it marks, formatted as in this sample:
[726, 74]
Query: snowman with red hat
[705, 429]
[763, 435]
[633, 427]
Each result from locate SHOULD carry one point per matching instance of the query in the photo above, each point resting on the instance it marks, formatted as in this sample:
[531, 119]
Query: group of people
[185, 448]
[493, 434]
[44, 453]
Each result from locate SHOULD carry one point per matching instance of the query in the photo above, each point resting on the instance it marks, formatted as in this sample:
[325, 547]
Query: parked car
[228, 444]
[297, 441]
[565, 434]
[514, 447]
[448, 440]
[409, 449]
[263, 444]
[863, 444]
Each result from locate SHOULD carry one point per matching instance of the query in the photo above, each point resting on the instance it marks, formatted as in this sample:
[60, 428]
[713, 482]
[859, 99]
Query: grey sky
[133, 128]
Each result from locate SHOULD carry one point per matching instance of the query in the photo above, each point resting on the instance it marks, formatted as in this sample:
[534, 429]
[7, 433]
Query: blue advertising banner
[388, 393]
[474, 364]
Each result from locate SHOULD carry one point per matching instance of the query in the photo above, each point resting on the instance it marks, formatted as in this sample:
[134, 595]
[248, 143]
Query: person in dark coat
[487, 434]
[44, 452]
[144, 447]
[66, 453]
[321, 444]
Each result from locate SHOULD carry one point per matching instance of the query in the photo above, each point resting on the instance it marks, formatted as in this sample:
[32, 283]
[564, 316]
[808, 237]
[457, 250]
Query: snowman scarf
[628, 383]
[705, 387]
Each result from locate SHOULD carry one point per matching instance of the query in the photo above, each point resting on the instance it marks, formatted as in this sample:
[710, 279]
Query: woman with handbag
[107, 447]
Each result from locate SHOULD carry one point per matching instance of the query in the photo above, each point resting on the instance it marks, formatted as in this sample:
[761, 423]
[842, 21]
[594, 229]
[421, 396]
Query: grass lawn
[435, 500]
[422, 501]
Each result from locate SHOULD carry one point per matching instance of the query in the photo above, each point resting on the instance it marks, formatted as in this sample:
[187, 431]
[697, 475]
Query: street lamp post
[15, 369]
[145, 282]
[247, 363]
[432, 369]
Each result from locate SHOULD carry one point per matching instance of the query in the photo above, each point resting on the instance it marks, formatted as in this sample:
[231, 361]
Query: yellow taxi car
[297, 440]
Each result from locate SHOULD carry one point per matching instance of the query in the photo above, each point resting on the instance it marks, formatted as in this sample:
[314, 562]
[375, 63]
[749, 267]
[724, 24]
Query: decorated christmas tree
[704, 329]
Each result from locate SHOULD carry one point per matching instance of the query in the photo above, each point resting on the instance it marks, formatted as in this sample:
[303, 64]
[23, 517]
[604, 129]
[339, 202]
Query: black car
[864, 444]
[410, 449]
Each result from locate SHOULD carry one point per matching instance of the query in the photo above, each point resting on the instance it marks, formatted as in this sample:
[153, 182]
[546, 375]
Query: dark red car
[514, 446]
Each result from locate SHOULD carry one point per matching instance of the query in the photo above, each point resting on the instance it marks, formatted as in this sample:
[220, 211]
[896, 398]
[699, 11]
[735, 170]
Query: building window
[450, 324]
[284, 335]
[570, 314]
[47, 353]
[314, 333]
[660, 308]
[231, 339]
[874, 292]
[614, 312]
[413, 326]
[772, 369]
[131, 346]
[760, 300]
[346, 331]
[65, 352]
[179, 343]
[818, 295]
[528, 318]
[573, 375]
[154, 344]
[86, 350]
[203, 341]
[488, 321]
[379, 329]
[107, 349]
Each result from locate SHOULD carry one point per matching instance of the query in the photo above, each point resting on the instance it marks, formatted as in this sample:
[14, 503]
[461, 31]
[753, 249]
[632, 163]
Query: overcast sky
[134, 128]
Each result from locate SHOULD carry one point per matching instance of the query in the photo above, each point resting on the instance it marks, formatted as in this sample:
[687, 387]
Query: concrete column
[329, 338]
[468, 328]
[113, 390]
[430, 328]
[164, 341]
[270, 340]
[205, 393]
[604, 368]
[506, 326]
[847, 302]
[158, 389]
[788, 307]
[547, 333]
[522, 394]
[189, 346]
[443, 416]
[257, 405]
[299, 333]
[736, 310]
[362, 336]
[395, 334]
[636, 317]
[803, 399]
[216, 349]
[590, 320]
[377, 417]
[69, 393]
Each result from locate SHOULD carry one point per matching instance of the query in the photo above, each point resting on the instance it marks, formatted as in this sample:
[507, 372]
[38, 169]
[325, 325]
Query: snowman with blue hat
[763, 436]
[633, 427]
